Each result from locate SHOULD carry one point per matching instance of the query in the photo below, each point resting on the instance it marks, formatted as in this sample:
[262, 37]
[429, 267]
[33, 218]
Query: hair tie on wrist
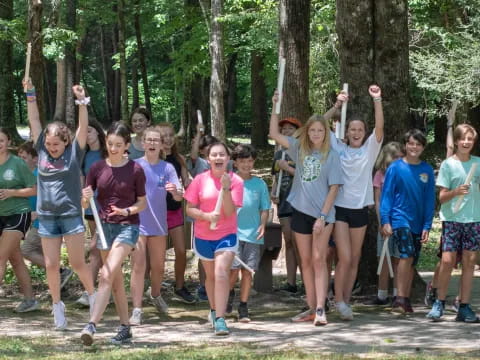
[378, 99]
[84, 101]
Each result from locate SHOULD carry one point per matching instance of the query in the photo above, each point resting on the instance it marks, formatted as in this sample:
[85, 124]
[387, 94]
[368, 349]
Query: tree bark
[123, 60]
[135, 93]
[107, 76]
[70, 62]
[231, 87]
[294, 45]
[217, 82]
[61, 91]
[259, 102]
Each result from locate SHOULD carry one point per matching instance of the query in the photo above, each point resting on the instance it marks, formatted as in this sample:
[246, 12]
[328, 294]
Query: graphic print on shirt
[311, 168]
[52, 165]
[9, 175]
[424, 177]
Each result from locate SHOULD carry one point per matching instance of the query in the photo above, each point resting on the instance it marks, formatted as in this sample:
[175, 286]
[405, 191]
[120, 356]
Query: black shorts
[355, 218]
[89, 217]
[16, 222]
[302, 223]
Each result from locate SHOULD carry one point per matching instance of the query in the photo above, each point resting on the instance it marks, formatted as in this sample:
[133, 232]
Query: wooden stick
[200, 121]
[279, 180]
[343, 117]
[467, 182]
[281, 75]
[103, 241]
[218, 208]
[244, 265]
[27, 67]
[385, 252]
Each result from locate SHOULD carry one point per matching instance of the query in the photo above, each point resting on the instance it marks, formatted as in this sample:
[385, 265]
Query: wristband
[377, 99]
[226, 189]
[84, 101]
[129, 212]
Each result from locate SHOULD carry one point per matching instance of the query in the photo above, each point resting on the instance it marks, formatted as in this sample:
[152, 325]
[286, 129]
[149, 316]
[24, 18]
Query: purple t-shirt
[153, 220]
[118, 186]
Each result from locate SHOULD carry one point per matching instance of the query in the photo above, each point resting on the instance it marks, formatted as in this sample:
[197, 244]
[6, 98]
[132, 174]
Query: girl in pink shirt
[216, 247]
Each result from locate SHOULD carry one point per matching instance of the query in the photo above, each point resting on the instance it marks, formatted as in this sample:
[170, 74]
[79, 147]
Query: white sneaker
[91, 302]
[59, 316]
[83, 300]
[159, 304]
[136, 318]
[345, 311]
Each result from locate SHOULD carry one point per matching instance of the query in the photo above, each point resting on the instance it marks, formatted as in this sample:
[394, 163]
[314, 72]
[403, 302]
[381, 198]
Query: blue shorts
[121, 233]
[55, 227]
[407, 244]
[206, 249]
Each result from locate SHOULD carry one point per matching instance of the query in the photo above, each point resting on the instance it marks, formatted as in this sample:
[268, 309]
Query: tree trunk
[7, 101]
[141, 58]
[71, 22]
[259, 102]
[123, 60]
[217, 82]
[231, 87]
[135, 94]
[107, 76]
[61, 91]
[294, 45]
[36, 64]
[116, 109]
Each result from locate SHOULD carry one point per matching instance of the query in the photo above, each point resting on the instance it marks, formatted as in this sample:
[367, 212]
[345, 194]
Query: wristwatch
[322, 218]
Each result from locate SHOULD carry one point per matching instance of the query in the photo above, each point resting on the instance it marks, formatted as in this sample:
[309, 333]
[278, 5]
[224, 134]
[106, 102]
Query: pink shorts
[174, 218]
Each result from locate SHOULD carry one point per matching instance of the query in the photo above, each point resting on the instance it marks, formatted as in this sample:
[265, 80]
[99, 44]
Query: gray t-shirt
[134, 153]
[313, 177]
[59, 189]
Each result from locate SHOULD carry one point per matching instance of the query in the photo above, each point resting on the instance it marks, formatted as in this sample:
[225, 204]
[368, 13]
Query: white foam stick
[343, 117]
[279, 180]
[248, 268]
[98, 223]
[281, 75]
[27, 66]
[200, 121]
[385, 252]
[337, 129]
[218, 208]
[468, 180]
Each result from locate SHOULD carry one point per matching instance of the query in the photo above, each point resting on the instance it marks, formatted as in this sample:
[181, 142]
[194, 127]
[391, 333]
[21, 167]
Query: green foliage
[54, 41]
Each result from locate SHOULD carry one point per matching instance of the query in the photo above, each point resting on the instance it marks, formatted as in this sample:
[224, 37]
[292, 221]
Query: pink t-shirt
[378, 179]
[203, 193]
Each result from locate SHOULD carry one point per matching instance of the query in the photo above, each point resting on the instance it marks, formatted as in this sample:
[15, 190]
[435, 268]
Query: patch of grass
[428, 256]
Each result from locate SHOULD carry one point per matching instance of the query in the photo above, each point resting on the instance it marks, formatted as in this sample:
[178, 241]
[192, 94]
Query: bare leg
[76, 257]
[291, 251]
[94, 257]
[157, 246]
[304, 246]
[178, 238]
[404, 270]
[223, 264]
[357, 235]
[245, 285]
[138, 261]
[209, 267]
[468, 266]
[51, 253]
[344, 253]
[319, 253]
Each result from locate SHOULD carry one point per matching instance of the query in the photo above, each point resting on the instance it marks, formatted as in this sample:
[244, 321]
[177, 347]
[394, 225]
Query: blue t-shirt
[33, 201]
[408, 196]
[255, 200]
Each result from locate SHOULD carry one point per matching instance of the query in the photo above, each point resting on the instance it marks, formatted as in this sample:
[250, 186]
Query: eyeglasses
[150, 140]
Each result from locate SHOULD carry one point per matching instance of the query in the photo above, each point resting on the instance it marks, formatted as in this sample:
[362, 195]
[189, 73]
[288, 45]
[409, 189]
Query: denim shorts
[121, 233]
[58, 226]
[206, 249]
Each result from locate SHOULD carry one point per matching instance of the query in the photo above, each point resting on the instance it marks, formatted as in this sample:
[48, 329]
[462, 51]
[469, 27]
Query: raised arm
[376, 94]
[450, 123]
[32, 111]
[274, 129]
[82, 103]
[195, 144]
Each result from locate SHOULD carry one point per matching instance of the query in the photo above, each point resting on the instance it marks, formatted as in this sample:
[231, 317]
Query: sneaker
[184, 296]
[83, 300]
[211, 317]
[159, 304]
[2, 292]
[292, 289]
[326, 306]
[357, 288]
[320, 318]
[221, 327]
[59, 316]
[202, 293]
[27, 305]
[345, 311]
[91, 302]
[87, 334]
[65, 275]
[408, 306]
[304, 316]
[377, 302]
[124, 335]
[136, 318]
[466, 314]
[231, 297]
[456, 304]
[243, 313]
[430, 295]
[437, 311]
[399, 306]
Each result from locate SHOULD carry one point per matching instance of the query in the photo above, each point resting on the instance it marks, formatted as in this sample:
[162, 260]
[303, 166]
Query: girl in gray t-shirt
[315, 186]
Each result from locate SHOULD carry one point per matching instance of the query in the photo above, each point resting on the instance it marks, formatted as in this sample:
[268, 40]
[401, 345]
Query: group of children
[323, 199]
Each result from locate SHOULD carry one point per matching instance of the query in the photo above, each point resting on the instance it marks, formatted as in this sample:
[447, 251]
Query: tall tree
[70, 71]
[294, 45]
[259, 102]
[123, 59]
[141, 57]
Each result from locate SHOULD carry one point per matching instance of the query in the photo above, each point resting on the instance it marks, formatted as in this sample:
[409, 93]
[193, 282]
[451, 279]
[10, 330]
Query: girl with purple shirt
[161, 179]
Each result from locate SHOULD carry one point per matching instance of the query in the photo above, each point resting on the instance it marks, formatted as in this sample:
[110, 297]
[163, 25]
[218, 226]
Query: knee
[77, 264]
[106, 278]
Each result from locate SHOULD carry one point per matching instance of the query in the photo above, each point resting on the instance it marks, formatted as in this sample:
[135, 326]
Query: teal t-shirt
[15, 174]
[255, 200]
[453, 173]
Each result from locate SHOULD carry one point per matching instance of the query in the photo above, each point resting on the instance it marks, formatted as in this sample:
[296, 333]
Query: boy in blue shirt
[252, 219]
[406, 211]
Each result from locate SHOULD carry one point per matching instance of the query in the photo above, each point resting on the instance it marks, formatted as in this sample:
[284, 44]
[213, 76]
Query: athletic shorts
[458, 260]
[32, 243]
[302, 223]
[120, 233]
[249, 253]
[206, 249]
[15, 222]
[57, 226]
[355, 218]
[174, 218]
[407, 244]
[88, 217]
[460, 236]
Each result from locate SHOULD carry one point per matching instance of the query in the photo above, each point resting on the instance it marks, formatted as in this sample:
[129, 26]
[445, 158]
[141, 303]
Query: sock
[92, 323]
[443, 302]
[382, 294]
[394, 291]
[243, 303]
[212, 310]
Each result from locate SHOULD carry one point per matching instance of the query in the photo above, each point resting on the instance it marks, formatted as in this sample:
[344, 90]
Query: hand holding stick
[200, 122]
[281, 75]
[468, 180]
[27, 67]
[88, 194]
